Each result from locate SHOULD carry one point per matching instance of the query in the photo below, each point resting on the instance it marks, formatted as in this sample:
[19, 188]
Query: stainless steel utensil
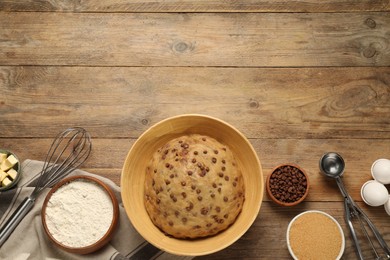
[67, 152]
[332, 165]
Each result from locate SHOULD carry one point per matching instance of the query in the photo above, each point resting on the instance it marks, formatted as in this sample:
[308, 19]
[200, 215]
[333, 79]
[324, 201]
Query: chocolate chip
[223, 168]
[198, 191]
[200, 198]
[204, 211]
[225, 199]
[214, 160]
[196, 152]
[184, 220]
[226, 178]
[167, 182]
[217, 209]
[193, 160]
[220, 174]
[170, 223]
[205, 152]
[183, 183]
[190, 206]
[216, 151]
[173, 197]
[214, 185]
[184, 195]
[189, 173]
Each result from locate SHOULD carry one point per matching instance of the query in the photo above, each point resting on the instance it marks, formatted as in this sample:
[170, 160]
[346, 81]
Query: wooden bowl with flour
[80, 214]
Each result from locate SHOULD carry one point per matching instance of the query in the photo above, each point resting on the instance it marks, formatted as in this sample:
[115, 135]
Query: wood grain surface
[195, 39]
[297, 78]
[194, 6]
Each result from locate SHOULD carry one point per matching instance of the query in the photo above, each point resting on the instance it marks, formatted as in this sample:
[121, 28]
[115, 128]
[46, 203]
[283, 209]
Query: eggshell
[380, 171]
[374, 193]
[387, 206]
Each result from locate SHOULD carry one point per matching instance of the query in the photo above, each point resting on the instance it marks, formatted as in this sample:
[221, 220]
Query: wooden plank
[195, 6]
[261, 102]
[108, 156]
[266, 239]
[196, 39]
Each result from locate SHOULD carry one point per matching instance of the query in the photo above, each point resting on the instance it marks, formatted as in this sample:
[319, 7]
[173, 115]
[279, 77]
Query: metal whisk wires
[68, 151]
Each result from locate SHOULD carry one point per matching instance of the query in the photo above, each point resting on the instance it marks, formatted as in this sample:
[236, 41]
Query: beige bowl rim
[201, 246]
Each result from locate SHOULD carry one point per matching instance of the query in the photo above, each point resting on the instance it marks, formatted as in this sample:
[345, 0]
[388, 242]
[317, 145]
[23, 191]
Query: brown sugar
[314, 235]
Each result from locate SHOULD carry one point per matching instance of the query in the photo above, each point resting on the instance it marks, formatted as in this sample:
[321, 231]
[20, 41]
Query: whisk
[68, 151]
[332, 165]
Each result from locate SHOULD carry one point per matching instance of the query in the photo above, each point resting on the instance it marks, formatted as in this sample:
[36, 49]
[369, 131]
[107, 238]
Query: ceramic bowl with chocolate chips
[287, 185]
[192, 185]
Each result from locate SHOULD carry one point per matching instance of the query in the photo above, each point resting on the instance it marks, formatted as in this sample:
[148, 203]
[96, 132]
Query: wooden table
[298, 78]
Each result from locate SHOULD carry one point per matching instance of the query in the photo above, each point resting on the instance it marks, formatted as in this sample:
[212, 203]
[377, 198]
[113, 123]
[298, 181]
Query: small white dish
[309, 233]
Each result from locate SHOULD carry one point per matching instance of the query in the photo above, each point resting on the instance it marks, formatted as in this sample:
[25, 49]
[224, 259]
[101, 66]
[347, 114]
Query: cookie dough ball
[193, 187]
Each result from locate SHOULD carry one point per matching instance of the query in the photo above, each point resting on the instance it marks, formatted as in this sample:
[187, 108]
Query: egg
[380, 171]
[387, 206]
[374, 193]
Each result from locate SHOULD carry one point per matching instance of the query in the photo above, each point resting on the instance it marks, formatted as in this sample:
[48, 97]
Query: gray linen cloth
[28, 241]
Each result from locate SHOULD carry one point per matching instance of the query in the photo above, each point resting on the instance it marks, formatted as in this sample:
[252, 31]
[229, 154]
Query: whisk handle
[10, 225]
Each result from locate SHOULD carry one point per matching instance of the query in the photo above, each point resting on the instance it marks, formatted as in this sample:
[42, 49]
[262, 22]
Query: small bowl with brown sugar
[287, 184]
[315, 234]
[192, 185]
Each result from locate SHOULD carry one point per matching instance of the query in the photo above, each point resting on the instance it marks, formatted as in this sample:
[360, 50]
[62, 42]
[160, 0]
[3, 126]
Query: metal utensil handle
[375, 231]
[15, 219]
[348, 219]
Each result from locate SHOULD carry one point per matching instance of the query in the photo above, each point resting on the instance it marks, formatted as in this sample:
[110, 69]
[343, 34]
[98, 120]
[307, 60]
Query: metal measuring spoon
[333, 165]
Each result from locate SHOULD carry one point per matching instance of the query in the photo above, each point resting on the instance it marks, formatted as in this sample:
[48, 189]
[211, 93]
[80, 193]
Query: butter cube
[3, 156]
[8, 163]
[6, 182]
[12, 159]
[2, 175]
[12, 173]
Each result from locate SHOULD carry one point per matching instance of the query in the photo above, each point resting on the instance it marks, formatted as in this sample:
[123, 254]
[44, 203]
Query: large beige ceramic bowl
[133, 177]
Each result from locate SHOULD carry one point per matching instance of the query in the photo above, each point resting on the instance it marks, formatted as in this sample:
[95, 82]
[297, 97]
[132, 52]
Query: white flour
[79, 213]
